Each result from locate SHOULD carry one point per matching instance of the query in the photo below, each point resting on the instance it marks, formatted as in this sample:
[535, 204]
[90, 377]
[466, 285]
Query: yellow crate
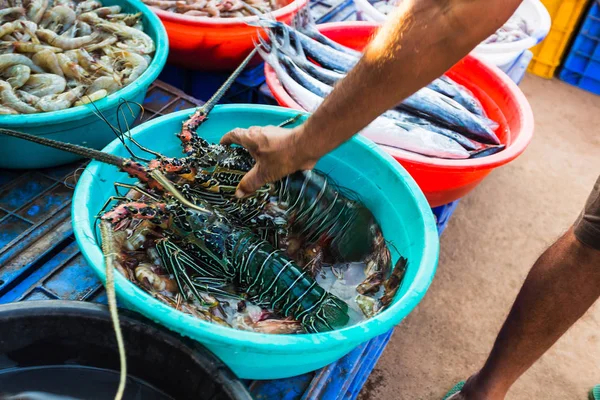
[547, 55]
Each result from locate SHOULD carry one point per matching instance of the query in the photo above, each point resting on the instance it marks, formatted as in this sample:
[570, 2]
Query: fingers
[250, 183]
[233, 137]
[243, 137]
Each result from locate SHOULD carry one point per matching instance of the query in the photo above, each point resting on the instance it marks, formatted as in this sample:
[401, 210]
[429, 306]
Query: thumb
[250, 183]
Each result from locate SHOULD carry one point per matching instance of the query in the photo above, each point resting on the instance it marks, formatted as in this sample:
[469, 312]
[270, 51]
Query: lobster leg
[214, 286]
[135, 189]
[393, 283]
[177, 262]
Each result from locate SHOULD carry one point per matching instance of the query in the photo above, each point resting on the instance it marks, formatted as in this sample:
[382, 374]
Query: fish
[449, 113]
[382, 130]
[306, 24]
[479, 126]
[309, 82]
[487, 151]
[325, 55]
[299, 58]
[404, 117]
[459, 93]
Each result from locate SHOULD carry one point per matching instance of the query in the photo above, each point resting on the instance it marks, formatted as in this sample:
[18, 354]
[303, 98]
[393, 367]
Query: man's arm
[420, 41]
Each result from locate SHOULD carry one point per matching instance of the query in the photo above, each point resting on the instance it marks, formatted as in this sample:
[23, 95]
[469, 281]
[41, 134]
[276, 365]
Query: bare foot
[474, 390]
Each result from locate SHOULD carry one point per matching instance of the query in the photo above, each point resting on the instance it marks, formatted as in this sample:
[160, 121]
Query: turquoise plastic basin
[382, 183]
[79, 125]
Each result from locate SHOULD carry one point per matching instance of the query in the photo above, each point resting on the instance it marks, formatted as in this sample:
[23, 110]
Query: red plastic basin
[215, 44]
[444, 181]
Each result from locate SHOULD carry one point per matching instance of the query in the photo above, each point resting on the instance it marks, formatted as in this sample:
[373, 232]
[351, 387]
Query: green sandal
[458, 387]
[595, 393]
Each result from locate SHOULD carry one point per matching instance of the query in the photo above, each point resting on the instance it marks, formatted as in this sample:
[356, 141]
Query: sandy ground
[492, 240]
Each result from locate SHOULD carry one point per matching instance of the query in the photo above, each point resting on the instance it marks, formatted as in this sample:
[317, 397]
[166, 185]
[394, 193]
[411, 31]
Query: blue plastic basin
[382, 183]
[79, 125]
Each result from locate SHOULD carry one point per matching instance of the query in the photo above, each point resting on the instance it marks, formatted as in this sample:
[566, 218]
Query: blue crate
[202, 84]
[582, 64]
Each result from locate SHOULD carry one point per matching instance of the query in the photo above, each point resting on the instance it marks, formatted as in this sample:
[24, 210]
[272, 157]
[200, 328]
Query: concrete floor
[494, 237]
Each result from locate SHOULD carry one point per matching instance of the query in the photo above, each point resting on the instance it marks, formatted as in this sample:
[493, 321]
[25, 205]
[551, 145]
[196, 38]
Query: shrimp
[12, 13]
[30, 28]
[58, 18]
[7, 110]
[8, 60]
[17, 75]
[95, 96]
[84, 28]
[212, 9]
[87, 6]
[71, 69]
[48, 61]
[182, 6]
[230, 5]
[133, 65]
[36, 9]
[107, 83]
[10, 99]
[9, 38]
[26, 47]
[127, 19]
[135, 40]
[163, 4]
[72, 54]
[90, 64]
[104, 12]
[66, 3]
[60, 101]
[197, 13]
[71, 32]
[44, 84]
[105, 41]
[54, 39]
[10, 27]
[27, 97]
[91, 18]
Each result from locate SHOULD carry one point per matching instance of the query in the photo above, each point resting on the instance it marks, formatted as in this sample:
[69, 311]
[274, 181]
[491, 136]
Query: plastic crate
[548, 54]
[582, 65]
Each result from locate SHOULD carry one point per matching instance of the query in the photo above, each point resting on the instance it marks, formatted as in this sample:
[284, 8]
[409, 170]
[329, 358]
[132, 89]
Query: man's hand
[278, 152]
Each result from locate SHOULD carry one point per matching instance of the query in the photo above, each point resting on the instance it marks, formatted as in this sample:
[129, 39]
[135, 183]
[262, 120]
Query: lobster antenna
[212, 102]
[117, 131]
[71, 148]
[123, 102]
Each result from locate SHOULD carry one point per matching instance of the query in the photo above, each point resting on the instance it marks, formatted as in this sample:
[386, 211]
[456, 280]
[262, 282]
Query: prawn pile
[515, 29]
[216, 8]
[259, 264]
[442, 120]
[56, 54]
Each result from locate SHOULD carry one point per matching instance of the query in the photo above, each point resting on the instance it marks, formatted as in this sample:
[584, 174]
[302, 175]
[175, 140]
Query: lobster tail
[71, 148]
[331, 314]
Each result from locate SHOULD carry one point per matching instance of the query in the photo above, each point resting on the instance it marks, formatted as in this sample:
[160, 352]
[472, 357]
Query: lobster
[203, 250]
